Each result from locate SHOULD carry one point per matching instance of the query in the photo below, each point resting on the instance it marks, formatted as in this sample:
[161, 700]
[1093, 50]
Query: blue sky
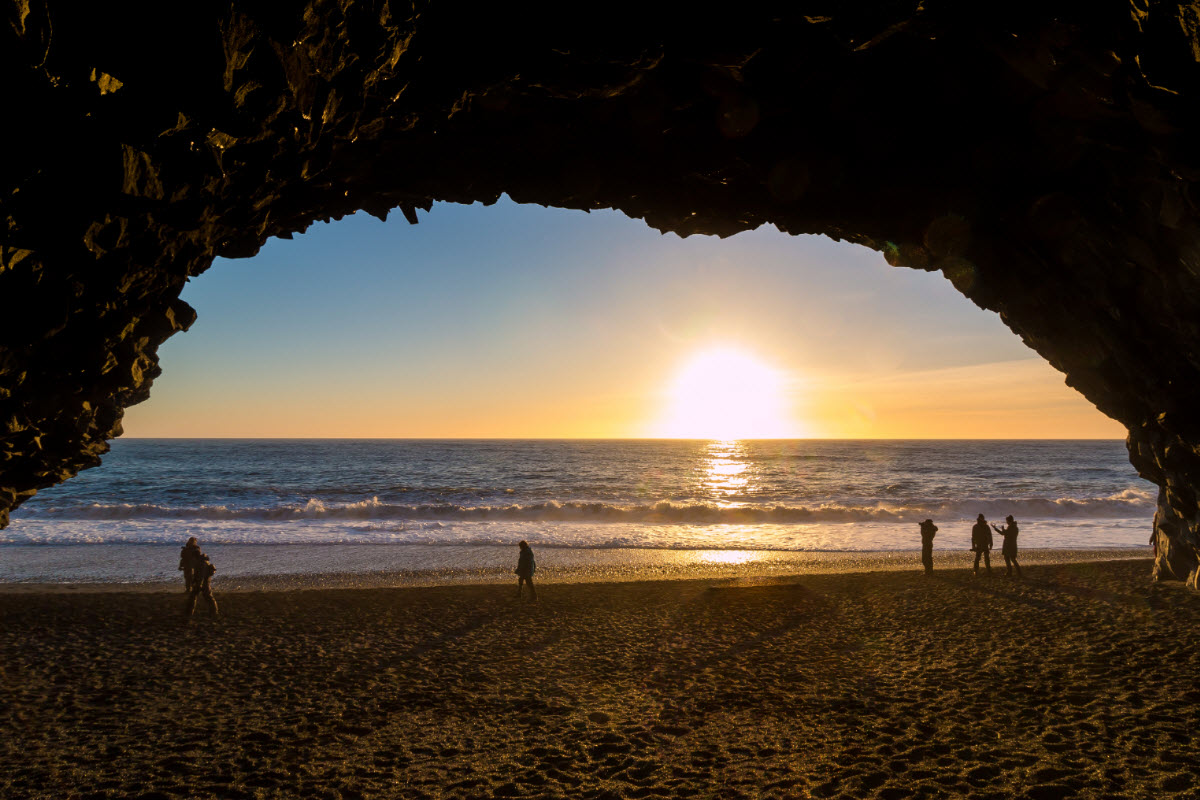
[515, 320]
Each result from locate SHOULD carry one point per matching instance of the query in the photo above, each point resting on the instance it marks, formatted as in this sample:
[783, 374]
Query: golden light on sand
[728, 556]
[727, 394]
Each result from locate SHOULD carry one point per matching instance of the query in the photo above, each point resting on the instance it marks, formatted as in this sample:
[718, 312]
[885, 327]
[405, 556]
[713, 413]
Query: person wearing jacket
[202, 571]
[187, 562]
[981, 543]
[525, 569]
[928, 531]
[1009, 548]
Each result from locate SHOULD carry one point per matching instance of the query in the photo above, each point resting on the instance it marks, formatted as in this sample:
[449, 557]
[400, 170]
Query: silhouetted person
[1009, 548]
[525, 569]
[928, 531]
[981, 543]
[187, 562]
[202, 572]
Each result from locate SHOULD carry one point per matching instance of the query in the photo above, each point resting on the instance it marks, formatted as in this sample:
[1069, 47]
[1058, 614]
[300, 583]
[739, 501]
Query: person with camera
[1009, 548]
[197, 563]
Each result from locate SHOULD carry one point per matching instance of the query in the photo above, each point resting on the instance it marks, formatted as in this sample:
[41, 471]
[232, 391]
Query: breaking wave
[1132, 502]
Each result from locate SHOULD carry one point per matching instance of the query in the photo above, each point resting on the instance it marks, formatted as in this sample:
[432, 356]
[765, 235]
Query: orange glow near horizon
[726, 394]
[1013, 400]
[519, 322]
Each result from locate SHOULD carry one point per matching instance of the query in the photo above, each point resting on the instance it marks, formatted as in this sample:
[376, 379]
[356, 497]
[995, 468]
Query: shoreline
[298, 568]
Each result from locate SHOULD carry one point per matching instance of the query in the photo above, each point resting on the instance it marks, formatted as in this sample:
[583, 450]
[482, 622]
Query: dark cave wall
[1039, 155]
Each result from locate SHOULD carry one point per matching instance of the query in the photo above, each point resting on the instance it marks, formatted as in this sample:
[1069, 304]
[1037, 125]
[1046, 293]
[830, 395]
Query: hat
[927, 522]
[980, 517]
[1009, 518]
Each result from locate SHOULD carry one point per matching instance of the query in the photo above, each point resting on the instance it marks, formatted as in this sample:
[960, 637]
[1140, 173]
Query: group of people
[198, 570]
[981, 543]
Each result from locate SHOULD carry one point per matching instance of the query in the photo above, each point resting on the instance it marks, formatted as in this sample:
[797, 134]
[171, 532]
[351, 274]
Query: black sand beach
[1078, 681]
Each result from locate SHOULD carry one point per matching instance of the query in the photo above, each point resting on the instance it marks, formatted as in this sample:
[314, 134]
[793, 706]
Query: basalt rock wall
[1041, 155]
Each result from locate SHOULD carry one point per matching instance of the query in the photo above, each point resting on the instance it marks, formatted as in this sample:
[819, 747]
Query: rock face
[1041, 155]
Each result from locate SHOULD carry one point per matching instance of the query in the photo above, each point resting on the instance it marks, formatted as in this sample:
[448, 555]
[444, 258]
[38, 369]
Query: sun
[724, 393]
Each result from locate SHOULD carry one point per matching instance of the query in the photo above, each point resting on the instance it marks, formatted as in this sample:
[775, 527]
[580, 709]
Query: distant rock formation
[1041, 155]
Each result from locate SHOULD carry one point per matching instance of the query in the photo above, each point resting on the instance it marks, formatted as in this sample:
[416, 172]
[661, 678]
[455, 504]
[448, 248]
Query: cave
[1039, 155]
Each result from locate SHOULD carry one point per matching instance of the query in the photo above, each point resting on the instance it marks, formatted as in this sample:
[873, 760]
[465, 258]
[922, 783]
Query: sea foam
[1128, 502]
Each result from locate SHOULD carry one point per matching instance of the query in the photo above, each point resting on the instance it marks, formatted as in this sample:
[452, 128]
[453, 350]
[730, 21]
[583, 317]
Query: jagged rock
[1174, 543]
[1040, 154]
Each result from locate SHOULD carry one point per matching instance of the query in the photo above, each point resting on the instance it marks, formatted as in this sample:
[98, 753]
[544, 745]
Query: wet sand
[256, 567]
[1078, 681]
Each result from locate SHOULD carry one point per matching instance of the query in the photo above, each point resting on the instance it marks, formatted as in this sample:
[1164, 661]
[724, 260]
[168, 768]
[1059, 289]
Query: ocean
[416, 505]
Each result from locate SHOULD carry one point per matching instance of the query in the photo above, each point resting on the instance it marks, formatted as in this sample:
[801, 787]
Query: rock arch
[1040, 154]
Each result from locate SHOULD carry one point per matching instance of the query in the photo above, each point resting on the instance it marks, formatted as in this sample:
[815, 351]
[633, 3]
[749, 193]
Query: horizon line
[627, 439]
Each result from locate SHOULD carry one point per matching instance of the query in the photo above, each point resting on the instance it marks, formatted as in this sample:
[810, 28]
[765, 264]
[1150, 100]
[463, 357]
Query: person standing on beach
[928, 531]
[981, 543]
[202, 572]
[187, 562]
[1009, 548]
[525, 569]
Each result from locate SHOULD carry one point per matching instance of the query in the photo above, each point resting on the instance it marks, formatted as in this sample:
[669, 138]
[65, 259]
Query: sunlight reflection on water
[726, 473]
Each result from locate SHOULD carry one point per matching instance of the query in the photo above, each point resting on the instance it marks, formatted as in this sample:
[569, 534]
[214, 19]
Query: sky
[518, 321]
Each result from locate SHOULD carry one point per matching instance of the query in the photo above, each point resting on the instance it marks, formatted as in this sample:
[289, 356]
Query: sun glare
[727, 394]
